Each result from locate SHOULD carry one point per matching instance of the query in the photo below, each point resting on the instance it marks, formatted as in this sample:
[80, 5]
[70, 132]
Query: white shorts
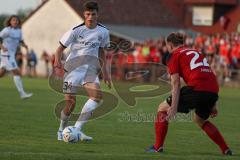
[78, 77]
[8, 62]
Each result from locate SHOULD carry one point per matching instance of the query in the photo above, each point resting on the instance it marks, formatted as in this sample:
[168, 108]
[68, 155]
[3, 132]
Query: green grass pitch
[28, 129]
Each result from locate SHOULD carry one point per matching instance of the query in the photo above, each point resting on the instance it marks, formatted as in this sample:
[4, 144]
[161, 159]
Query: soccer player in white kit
[87, 42]
[10, 38]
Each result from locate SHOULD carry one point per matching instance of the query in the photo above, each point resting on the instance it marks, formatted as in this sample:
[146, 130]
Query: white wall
[43, 29]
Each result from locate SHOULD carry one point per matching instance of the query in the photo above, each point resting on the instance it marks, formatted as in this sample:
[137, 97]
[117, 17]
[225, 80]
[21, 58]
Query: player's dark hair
[7, 22]
[176, 38]
[90, 6]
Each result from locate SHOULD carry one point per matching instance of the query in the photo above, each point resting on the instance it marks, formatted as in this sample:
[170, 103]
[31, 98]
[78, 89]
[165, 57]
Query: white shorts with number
[78, 77]
[8, 62]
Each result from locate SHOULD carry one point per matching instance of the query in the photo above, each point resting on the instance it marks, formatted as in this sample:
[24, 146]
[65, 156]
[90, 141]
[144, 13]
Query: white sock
[86, 113]
[64, 121]
[18, 83]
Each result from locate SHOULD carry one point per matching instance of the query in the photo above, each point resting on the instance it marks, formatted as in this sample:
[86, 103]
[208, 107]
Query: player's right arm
[58, 56]
[3, 34]
[64, 42]
[4, 49]
[58, 69]
[175, 83]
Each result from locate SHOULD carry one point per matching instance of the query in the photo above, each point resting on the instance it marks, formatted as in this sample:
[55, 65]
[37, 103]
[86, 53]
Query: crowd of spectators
[221, 50]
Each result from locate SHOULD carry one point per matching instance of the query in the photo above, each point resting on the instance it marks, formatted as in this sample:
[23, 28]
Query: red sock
[161, 128]
[215, 135]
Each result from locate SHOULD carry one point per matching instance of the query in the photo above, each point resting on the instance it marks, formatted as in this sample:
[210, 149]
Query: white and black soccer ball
[71, 134]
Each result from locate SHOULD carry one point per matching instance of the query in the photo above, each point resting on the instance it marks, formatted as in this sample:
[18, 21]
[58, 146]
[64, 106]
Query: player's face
[14, 22]
[169, 47]
[91, 18]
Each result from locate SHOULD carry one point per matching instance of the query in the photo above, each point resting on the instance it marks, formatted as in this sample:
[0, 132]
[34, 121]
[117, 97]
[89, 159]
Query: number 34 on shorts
[67, 85]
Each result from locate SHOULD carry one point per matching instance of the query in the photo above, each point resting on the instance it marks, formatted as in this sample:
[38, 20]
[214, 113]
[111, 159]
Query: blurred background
[138, 29]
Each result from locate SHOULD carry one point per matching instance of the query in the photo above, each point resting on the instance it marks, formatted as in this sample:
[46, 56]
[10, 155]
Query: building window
[202, 15]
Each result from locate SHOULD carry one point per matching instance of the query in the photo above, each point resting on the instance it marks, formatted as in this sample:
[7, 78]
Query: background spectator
[19, 59]
[31, 63]
[46, 58]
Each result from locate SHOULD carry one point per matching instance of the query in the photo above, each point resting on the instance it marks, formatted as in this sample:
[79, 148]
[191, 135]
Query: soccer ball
[71, 134]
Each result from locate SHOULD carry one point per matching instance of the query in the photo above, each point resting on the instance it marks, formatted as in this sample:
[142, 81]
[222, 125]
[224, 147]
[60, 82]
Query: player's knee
[16, 72]
[2, 72]
[199, 121]
[195, 119]
[100, 96]
[163, 107]
[97, 97]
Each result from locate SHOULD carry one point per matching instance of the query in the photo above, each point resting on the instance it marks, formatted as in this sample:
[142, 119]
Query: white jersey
[85, 41]
[11, 39]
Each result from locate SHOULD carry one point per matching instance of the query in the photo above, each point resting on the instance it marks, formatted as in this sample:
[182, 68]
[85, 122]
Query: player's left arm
[104, 44]
[104, 67]
[1, 45]
[175, 83]
[22, 43]
[3, 34]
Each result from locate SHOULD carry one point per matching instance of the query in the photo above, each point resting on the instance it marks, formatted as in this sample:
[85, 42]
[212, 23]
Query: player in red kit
[200, 93]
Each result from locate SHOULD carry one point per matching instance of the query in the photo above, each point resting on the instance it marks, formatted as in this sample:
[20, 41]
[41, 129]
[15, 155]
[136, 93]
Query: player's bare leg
[2, 72]
[213, 133]
[94, 91]
[18, 82]
[70, 104]
[161, 128]
[95, 97]
[66, 113]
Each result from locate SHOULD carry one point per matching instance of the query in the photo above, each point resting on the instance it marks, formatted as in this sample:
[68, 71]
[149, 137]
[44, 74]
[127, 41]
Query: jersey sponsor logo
[89, 44]
[100, 38]
[82, 42]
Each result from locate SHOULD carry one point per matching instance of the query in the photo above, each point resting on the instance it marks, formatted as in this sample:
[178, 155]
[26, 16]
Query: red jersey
[235, 51]
[192, 66]
[223, 50]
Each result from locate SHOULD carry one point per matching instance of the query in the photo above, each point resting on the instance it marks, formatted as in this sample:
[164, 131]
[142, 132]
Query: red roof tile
[137, 12]
[227, 2]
